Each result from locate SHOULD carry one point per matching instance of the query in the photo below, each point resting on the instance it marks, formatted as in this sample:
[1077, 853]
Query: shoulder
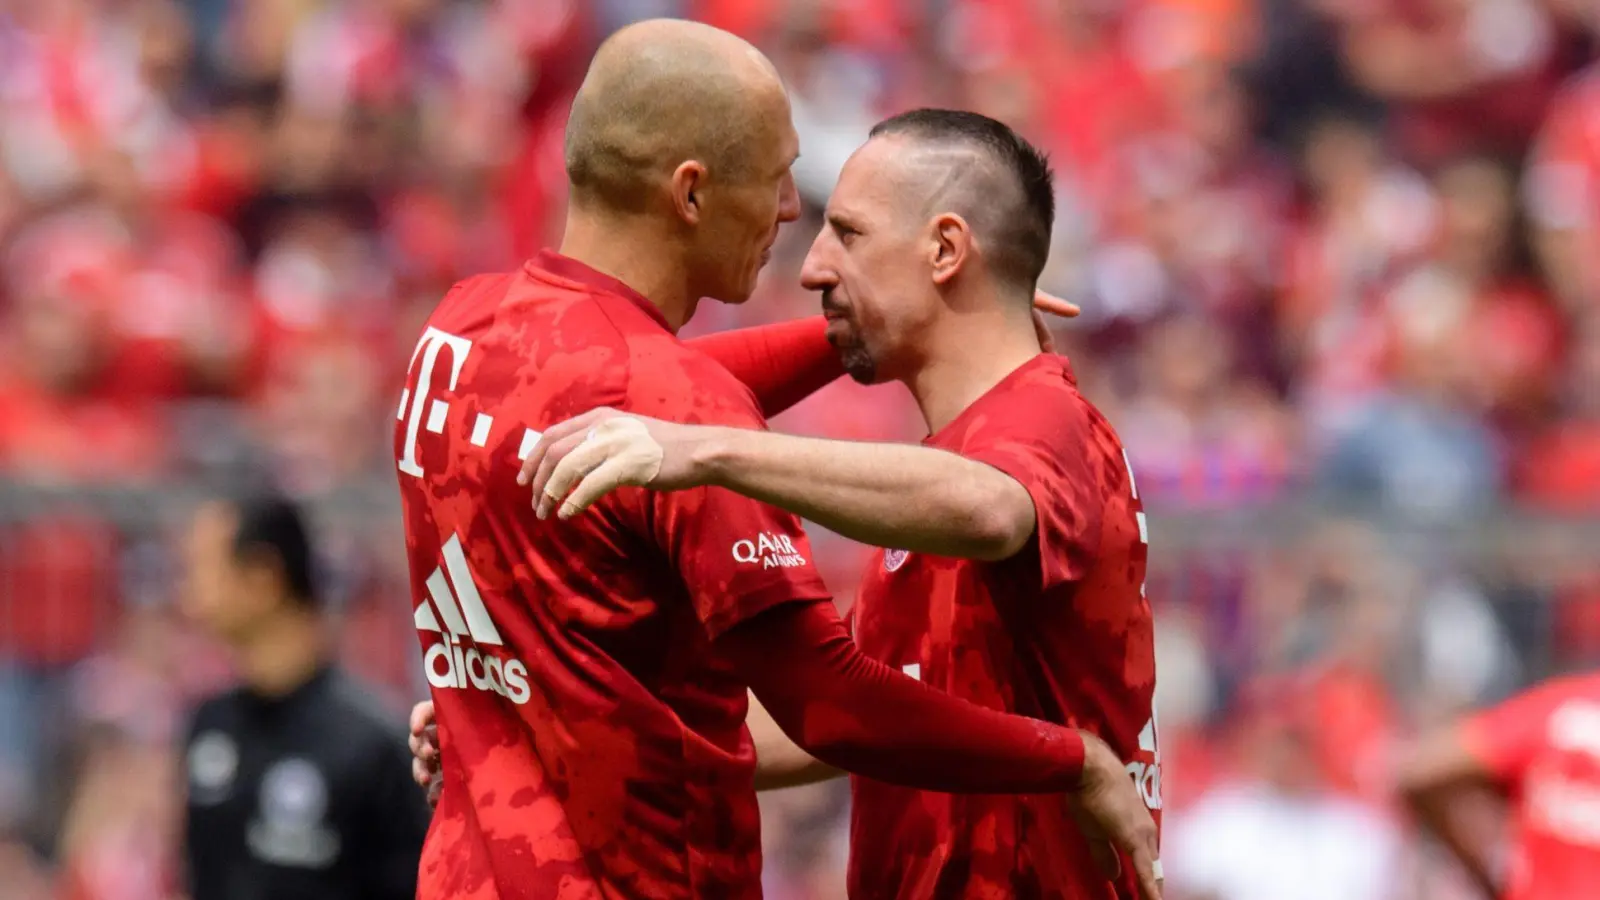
[1043, 392]
[215, 711]
[470, 294]
[1038, 404]
[676, 382]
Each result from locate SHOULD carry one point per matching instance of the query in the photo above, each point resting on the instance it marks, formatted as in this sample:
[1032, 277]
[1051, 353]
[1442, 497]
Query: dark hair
[272, 529]
[1020, 220]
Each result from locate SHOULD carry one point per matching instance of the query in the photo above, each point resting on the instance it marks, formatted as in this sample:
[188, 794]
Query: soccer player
[1015, 574]
[297, 779]
[1541, 750]
[589, 681]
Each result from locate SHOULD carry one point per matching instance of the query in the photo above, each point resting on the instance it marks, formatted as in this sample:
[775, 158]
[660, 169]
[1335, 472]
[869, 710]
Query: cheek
[880, 296]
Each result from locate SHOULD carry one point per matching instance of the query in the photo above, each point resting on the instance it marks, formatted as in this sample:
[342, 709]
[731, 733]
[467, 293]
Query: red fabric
[1542, 745]
[782, 363]
[1562, 469]
[592, 740]
[53, 438]
[1563, 174]
[61, 573]
[1353, 725]
[1061, 632]
[856, 714]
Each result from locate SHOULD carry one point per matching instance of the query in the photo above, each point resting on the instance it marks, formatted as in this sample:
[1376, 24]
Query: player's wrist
[715, 453]
[1098, 765]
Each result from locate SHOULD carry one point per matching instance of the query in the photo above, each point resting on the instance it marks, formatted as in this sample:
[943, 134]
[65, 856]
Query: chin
[859, 365]
[742, 294]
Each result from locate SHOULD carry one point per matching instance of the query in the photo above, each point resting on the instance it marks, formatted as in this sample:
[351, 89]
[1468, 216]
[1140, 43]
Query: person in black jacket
[298, 782]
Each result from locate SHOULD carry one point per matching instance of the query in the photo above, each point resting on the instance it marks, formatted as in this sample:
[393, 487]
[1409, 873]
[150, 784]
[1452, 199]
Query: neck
[967, 354]
[609, 245]
[283, 655]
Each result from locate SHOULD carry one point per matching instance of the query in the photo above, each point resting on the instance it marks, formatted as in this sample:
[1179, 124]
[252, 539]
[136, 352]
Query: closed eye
[842, 228]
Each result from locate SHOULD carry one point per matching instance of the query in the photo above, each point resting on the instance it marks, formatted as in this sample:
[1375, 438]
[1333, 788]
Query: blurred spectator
[117, 842]
[298, 784]
[1276, 830]
[1199, 431]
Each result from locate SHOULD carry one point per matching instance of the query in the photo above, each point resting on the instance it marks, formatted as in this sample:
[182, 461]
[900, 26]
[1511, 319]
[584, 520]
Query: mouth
[831, 311]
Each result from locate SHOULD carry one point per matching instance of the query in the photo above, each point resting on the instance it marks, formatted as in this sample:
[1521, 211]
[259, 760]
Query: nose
[817, 273]
[788, 200]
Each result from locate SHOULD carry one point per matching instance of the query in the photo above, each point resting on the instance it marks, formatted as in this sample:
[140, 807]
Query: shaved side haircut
[658, 94]
[982, 170]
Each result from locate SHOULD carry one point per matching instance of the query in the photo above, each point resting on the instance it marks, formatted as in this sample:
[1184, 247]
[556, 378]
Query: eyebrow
[839, 221]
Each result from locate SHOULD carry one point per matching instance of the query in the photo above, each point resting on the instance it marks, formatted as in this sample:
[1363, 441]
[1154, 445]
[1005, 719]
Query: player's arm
[782, 364]
[919, 499]
[913, 498]
[780, 763]
[864, 717]
[1431, 778]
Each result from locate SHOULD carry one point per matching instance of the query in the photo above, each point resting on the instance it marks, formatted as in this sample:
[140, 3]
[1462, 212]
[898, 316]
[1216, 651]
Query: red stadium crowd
[1343, 252]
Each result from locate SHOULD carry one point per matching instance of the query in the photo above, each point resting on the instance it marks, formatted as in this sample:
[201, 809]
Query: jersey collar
[567, 268]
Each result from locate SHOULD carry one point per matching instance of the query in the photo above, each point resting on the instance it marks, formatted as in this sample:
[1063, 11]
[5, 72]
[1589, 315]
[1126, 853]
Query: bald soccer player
[1014, 574]
[590, 678]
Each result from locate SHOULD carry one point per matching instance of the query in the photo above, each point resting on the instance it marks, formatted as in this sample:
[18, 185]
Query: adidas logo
[1147, 775]
[459, 606]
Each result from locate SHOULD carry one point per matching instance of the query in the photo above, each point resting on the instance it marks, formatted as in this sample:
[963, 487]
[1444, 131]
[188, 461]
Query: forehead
[872, 180]
[767, 102]
[213, 524]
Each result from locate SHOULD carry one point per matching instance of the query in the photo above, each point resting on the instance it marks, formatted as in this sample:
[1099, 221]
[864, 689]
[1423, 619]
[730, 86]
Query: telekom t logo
[428, 347]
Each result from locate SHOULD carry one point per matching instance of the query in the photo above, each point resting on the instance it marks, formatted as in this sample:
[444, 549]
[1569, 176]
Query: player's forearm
[889, 495]
[782, 364]
[866, 718]
[780, 763]
[1432, 809]
[1430, 777]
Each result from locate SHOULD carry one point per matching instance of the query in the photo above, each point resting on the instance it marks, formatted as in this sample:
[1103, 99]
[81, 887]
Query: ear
[688, 184]
[952, 246]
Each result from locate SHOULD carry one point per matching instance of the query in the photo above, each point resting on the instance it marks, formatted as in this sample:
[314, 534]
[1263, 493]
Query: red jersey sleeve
[1042, 436]
[862, 716]
[1505, 738]
[781, 364]
[736, 556]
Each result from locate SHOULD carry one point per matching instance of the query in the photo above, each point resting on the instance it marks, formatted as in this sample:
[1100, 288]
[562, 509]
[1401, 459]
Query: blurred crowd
[1343, 253]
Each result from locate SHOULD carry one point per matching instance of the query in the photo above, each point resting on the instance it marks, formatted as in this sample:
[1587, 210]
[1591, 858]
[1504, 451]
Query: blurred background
[1340, 266]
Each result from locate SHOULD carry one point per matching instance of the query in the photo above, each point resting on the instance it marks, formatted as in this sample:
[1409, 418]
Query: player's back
[1545, 746]
[1060, 632]
[592, 746]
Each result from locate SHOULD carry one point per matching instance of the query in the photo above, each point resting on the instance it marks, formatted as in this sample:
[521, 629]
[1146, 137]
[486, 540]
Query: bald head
[948, 161]
[663, 92]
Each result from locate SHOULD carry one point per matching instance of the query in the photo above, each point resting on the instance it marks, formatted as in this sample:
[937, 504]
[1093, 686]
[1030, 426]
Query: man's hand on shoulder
[578, 461]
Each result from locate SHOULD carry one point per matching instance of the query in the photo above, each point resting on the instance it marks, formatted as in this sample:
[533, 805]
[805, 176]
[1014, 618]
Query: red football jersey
[1544, 746]
[592, 743]
[1061, 632]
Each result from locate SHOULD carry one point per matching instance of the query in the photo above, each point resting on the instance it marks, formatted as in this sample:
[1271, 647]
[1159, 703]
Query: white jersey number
[1147, 776]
